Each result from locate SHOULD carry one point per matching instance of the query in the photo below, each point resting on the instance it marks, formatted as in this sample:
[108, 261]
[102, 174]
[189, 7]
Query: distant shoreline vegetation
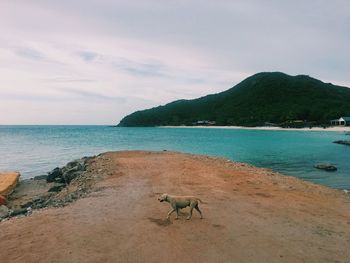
[264, 99]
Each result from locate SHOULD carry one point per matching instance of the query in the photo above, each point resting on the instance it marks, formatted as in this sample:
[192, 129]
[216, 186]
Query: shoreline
[265, 128]
[60, 183]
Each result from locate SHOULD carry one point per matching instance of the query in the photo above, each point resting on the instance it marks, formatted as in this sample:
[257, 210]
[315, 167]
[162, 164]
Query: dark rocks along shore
[56, 189]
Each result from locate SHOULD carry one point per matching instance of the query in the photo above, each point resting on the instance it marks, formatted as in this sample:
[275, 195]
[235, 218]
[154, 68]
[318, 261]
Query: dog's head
[163, 197]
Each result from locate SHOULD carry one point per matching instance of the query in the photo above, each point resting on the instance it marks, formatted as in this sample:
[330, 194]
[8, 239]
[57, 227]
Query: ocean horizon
[36, 149]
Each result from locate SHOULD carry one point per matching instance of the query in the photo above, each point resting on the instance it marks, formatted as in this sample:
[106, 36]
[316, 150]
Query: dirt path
[251, 215]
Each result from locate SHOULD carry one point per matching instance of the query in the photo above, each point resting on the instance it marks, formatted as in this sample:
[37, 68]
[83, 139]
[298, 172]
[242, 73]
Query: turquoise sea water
[35, 150]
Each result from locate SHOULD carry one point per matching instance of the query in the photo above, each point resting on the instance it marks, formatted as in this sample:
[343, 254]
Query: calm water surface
[35, 150]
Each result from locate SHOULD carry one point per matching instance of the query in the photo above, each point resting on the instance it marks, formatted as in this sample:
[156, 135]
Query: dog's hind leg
[170, 212]
[199, 211]
[190, 214]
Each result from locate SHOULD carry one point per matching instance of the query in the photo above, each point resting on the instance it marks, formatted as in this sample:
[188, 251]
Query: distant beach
[333, 129]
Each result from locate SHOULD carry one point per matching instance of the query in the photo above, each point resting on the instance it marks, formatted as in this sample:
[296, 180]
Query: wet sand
[250, 215]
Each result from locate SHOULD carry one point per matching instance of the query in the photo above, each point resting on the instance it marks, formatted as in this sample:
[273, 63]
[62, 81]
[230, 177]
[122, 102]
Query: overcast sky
[93, 62]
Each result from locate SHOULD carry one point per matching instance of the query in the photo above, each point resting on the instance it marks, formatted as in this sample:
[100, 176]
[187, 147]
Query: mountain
[272, 97]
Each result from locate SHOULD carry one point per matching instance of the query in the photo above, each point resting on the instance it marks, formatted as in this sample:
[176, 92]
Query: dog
[179, 202]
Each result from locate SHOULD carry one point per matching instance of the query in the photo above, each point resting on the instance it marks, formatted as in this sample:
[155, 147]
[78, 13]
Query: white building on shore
[342, 121]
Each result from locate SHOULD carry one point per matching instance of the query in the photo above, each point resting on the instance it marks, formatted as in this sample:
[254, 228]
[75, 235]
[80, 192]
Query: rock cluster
[5, 212]
[67, 173]
[64, 176]
[52, 200]
[72, 175]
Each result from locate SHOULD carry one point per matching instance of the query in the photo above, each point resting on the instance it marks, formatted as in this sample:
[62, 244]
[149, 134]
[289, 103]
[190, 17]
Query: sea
[36, 150]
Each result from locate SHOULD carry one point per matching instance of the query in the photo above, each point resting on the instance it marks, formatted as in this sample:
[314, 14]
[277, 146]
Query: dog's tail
[202, 202]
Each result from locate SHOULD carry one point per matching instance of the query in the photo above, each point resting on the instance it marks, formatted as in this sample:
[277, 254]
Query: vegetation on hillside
[262, 98]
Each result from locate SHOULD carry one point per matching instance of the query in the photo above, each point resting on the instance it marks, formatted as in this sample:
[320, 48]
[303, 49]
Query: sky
[95, 61]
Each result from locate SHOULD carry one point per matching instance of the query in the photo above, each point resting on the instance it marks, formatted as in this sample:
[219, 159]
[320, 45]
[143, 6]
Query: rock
[37, 202]
[67, 173]
[29, 211]
[60, 180]
[57, 188]
[68, 199]
[28, 204]
[40, 177]
[37, 199]
[4, 211]
[2, 200]
[72, 164]
[326, 167]
[343, 142]
[77, 165]
[53, 175]
[19, 211]
[71, 174]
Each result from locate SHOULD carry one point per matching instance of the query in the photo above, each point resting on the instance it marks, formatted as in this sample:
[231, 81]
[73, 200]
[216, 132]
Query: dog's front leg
[177, 213]
[170, 212]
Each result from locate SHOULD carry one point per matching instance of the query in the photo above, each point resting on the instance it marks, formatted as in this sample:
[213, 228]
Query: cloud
[142, 69]
[87, 95]
[65, 80]
[88, 56]
[121, 56]
[29, 53]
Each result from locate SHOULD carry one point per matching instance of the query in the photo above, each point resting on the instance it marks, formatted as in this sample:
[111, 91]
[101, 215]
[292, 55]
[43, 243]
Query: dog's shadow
[160, 222]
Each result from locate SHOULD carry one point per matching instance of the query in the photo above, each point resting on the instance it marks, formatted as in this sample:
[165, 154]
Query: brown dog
[179, 202]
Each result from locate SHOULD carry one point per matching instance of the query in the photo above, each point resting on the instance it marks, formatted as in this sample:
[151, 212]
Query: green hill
[264, 97]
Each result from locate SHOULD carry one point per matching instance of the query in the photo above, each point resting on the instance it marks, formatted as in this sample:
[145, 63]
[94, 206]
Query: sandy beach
[250, 215]
[332, 129]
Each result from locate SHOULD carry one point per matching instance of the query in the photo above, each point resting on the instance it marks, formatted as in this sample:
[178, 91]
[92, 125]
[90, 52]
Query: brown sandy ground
[250, 215]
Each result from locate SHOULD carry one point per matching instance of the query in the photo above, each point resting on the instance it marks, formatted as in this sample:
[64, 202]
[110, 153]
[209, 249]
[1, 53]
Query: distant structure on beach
[204, 122]
[342, 121]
